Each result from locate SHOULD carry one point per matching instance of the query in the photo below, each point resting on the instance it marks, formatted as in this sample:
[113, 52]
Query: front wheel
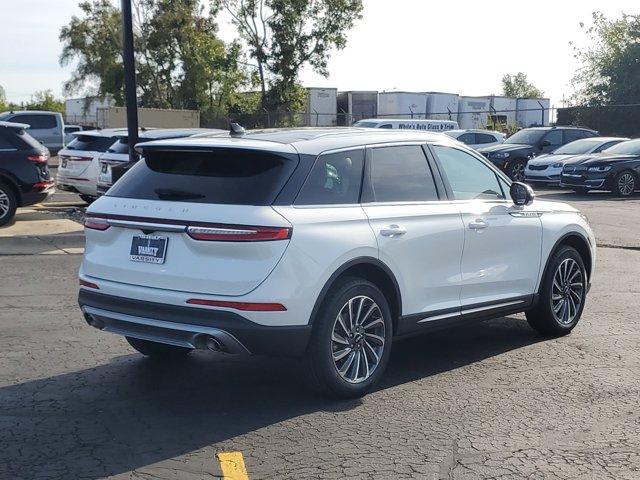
[516, 170]
[624, 184]
[157, 350]
[351, 340]
[562, 294]
[8, 204]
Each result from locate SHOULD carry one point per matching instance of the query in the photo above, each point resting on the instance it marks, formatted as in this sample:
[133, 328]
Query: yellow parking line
[232, 465]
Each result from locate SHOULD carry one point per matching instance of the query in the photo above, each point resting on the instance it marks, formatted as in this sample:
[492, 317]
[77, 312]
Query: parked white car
[78, 169]
[546, 169]
[69, 130]
[324, 244]
[408, 124]
[477, 138]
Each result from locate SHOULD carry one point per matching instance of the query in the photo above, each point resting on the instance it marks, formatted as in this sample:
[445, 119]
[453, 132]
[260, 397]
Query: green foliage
[3, 99]
[45, 100]
[518, 86]
[282, 36]
[610, 71]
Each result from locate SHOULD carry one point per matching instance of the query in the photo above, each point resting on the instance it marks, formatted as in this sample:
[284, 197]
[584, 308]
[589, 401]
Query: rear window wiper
[171, 194]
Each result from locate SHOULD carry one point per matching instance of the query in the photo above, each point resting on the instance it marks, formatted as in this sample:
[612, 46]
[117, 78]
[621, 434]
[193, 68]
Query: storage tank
[442, 106]
[503, 110]
[533, 112]
[402, 104]
[473, 112]
[321, 107]
[356, 105]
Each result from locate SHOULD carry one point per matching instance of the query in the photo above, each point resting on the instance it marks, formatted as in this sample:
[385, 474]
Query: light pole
[129, 78]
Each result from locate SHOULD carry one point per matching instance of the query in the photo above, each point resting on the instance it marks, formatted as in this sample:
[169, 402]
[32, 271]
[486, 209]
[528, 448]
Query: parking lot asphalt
[491, 400]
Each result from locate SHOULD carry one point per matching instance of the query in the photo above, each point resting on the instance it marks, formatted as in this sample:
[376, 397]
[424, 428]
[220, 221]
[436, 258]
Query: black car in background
[617, 170]
[512, 155]
[24, 174]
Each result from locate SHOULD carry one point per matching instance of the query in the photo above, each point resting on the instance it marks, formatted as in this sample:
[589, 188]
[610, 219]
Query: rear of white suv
[324, 244]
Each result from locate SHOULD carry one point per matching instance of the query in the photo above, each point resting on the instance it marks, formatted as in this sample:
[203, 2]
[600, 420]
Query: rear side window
[485, 138]
[91, 143]
[223, 176]
[401, 174]
[554, 137]
[120, 146]
[334, 179]
[37, 122]
[467, 138]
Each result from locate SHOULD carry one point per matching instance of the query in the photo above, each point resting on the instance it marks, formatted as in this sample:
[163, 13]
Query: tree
[45, 100]
[3, 99]
[284, 35]
[610, 70]
[181, 63]
[518, 86]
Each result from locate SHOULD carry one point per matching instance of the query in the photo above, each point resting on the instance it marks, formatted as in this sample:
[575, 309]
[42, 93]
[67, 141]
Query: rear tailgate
[195, 221]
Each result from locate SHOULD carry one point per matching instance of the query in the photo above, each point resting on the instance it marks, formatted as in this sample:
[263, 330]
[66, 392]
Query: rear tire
[516, 170]
[562, 294]
[8, 204]
[157, 350]
[348, 353]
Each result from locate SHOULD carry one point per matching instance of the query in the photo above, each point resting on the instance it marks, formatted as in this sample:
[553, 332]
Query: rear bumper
[190, 327]
[75, 184]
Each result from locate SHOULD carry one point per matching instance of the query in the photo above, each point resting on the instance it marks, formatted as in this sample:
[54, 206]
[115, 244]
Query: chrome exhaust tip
[213, 344]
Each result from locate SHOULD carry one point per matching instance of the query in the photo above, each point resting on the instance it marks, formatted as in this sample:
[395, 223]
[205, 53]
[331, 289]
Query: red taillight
[79, 159]
[96, 223]
[38, 158]
[239, 233]
[84, 283]
[39, 186]
[245, 306]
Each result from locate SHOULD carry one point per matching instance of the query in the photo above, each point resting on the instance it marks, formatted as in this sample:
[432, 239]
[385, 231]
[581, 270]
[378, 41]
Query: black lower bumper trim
[258, 339]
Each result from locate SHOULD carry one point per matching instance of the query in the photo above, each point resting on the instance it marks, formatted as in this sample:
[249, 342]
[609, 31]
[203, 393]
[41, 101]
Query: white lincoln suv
[325, 244]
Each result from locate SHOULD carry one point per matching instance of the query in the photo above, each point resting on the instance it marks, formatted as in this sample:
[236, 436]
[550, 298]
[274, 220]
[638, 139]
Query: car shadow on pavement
[134, 412]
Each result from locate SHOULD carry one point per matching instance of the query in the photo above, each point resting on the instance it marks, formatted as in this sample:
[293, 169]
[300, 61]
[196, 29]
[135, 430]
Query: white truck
[322, 107]
[420, 124]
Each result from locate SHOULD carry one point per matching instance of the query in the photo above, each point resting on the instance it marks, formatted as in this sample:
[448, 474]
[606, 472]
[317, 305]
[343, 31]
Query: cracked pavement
[489, 400]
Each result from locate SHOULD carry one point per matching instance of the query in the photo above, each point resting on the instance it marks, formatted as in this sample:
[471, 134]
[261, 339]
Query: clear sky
[419, 45]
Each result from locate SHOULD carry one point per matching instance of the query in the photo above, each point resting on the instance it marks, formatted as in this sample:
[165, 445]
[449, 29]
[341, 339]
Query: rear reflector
[239, 233]
[38, 158]
[96, 223]
[245, 306]
[79, 159]
[39, 186]
[84, 283]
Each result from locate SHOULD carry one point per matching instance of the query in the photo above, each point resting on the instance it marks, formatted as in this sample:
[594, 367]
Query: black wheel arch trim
[555, 247]
[9, 180]
[343, 268]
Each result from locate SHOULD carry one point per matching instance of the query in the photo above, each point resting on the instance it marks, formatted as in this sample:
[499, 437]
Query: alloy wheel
[5, 204]
[626, 184]
[358, 339]
[517, 172]
[567, 291]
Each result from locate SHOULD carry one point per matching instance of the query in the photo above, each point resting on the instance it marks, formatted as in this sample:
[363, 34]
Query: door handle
[393, 231]
[478, 224]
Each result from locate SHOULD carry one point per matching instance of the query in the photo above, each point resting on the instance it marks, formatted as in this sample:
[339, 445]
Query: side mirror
[521, 194]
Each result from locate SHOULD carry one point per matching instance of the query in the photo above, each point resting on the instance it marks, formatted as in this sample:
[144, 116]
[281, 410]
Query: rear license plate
[105, 167]
[148, 248]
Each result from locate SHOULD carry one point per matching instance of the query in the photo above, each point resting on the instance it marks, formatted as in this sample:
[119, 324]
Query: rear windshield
[223, 176]
[121, 146]
[90, 143]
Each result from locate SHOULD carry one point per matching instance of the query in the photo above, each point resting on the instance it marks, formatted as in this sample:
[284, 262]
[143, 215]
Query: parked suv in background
[325, 244]
[78, 169]
[512, 156]
[24, 175]
[117, 156]
[476, 138]
[45, 127]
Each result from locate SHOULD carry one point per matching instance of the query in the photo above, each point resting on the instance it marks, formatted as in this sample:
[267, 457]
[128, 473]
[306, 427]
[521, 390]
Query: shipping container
[354, 106]
[473, 112]
[503, 110]
[115, 117]
[533, 112]
[83, 111]
[442, 106]
[322, 107]
[402, 104]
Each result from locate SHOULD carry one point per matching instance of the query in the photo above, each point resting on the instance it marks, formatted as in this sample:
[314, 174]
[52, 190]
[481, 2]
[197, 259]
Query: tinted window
[485, 138]
[334, 179]
[571, 135]
[36, 121]
[469, 177]
[386, 125]
[5, 143]
[467, 138]
[224, 176]
[71, 129]
[120, 146]
[90, 143]
[401, 174]
[554, 137]
[526, 137]
[604, 146]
